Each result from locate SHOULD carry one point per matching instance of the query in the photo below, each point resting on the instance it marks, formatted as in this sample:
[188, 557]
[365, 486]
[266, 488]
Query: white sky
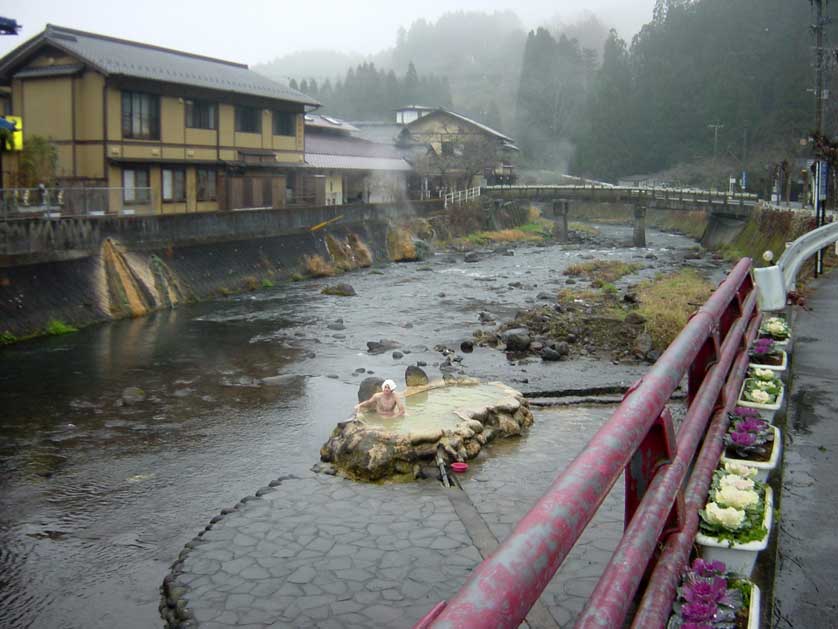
[255, 31]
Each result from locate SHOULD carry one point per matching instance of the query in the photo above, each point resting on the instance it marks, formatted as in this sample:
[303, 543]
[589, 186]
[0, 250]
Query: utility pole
[820, 204]
[715, 128]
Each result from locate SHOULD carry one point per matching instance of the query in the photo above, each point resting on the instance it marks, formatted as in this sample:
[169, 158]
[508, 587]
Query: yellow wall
[89, 106]
[172, 120]
[226, 125]
[48, 108]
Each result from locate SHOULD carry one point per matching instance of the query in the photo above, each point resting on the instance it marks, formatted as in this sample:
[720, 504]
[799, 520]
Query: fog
[257, 31]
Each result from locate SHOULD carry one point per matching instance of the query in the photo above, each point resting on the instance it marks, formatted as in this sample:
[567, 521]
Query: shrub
[316, 266]
[57, 327]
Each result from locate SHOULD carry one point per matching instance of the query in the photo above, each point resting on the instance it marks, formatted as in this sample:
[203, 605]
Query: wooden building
[166, 130]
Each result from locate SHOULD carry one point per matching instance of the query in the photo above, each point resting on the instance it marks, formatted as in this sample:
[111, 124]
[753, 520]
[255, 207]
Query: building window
[447, 149]
[174, 185]
[284, 123]
[248, 119]
[135, 185]
[206, 184]
[140, 116]
[200, 114]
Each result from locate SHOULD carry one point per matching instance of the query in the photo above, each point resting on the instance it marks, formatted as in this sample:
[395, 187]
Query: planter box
[739, 558]
[764, 468]
[754, 608]
[781, 367]
[766, 411]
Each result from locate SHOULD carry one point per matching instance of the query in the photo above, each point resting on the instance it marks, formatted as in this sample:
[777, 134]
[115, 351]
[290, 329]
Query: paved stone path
[321, 551]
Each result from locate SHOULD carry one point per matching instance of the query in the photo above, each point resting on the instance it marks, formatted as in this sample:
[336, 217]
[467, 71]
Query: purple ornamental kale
[743, 439]
[745, 412]
[763, 346]
[706, 591]
[751, 425]
[696, 625]
[699, 611]
[707, 569]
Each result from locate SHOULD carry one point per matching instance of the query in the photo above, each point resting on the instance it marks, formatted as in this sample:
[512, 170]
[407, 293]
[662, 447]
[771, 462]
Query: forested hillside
[746, 65]
[725, 82]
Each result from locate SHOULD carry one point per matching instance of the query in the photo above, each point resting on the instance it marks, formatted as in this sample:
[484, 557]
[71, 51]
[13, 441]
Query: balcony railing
[58, 202]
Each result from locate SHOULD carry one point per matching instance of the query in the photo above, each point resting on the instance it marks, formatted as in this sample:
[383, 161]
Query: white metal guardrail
[461, 196]
[774, 282]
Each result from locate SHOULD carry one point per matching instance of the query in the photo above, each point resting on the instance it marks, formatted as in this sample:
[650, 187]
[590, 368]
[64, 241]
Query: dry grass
[668, 301]
[582, 228]
[605, 271]
[250, 283]
[400, 245]
[316, 266]
[360, 251]
[340, 252]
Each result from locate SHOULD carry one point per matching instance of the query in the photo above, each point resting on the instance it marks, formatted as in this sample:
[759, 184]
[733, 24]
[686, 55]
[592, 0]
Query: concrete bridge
[721, 206]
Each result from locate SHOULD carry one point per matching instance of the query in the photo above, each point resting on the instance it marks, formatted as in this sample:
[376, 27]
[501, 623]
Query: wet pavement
[806, 581]
[98, 497]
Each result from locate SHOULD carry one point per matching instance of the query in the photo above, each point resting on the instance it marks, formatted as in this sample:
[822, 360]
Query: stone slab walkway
[806, 580]
[321, 551]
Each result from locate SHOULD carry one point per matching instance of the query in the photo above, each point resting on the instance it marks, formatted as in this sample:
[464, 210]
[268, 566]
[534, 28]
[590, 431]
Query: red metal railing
[711, 351]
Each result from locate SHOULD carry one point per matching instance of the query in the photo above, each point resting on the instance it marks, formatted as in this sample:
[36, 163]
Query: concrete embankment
[84, 270]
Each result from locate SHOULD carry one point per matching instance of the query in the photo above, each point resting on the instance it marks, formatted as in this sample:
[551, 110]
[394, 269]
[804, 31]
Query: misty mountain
[316, 64]
[480, 55]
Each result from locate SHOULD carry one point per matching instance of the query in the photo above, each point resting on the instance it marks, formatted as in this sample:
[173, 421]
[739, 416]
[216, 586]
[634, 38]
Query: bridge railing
[458, 197]
[638, 439]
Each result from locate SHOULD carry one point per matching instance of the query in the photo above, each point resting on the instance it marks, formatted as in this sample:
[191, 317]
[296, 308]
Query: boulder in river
[382, 345]
[471, 256]
[368, 387]
[133, 395]
[516, 339]
[415, 377]
[341, 290]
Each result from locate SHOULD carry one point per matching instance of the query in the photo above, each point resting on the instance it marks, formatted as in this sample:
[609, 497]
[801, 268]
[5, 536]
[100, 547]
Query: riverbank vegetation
[668, 301]
[602, 271]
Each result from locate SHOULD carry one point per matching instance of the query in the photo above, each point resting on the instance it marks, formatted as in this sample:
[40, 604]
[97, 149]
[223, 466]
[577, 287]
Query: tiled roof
[331, 123]
[468, 120]
[343, 152]
[113, 56]
[350, 162]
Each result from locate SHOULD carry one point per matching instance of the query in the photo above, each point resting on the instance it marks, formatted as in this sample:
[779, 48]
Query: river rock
[635, 318]
[381, 346]
[516, 339]
[544, 296]
[133, 395]
[397, 355]
[642, 344]
[549, 354]
[467, 347]
[471, 256]
[341, 290]
[415, 377]
[368, 387]
[336, 325]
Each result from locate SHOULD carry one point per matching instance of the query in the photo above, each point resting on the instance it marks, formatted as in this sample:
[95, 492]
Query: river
[97, 498]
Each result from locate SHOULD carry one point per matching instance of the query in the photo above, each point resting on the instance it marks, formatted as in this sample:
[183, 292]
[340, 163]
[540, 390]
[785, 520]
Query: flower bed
[752, 441]
[776, 328]
[736, 520]
[765, 354]
[764, 391]
[708, 597]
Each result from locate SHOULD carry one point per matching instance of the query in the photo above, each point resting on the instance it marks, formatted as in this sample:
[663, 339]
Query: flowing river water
[97, 497]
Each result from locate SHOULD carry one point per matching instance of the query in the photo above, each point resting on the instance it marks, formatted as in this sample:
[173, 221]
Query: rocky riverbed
[118, 443]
